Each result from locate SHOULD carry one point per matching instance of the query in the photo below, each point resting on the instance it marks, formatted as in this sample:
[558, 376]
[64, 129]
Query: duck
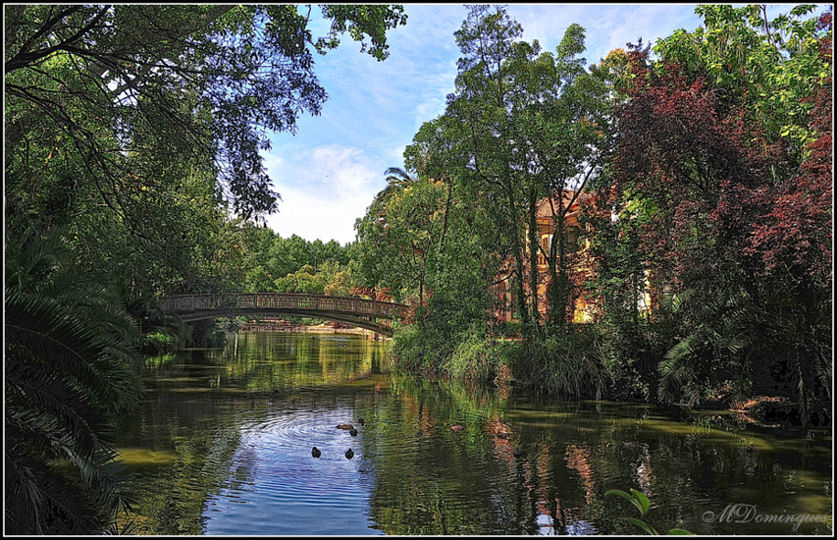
[316, 452]
[345, 426]
[361, 421]
[353, 432]
[349, 454]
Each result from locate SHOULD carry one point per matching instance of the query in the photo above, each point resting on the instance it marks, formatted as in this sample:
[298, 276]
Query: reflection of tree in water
[642, 467]
[578, 459]
[265, 361]
[438, 481]
[429, 479]
[172, 497]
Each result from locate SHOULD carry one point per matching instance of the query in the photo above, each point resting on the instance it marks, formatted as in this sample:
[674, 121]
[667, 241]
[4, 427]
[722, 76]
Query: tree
[532, 125]
[482, 103]
[397, 239]
[208, 81]
[769, 66]
[565, 127]
[717, 181]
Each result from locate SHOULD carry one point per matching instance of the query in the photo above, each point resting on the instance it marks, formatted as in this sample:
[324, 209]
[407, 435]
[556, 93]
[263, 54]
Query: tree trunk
[445, 220]
[557, 268]
[533, 255]
[518, 257]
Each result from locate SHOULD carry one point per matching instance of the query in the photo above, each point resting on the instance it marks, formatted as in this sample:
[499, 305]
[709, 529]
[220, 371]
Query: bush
[629, 357]
[565, 364]
[158, 342]
[410, 348]
[216, 339]
[476, 356]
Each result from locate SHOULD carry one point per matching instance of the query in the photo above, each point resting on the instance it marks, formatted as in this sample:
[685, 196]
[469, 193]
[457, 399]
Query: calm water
[222, 445]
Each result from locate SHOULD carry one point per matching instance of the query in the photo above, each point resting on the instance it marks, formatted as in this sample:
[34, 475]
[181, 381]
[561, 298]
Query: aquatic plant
[643, 504]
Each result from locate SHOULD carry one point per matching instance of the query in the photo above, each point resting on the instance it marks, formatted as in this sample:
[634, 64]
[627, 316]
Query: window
[546, 244]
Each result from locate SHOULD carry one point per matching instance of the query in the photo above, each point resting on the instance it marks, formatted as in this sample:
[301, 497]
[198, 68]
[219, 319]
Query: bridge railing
[185, 303]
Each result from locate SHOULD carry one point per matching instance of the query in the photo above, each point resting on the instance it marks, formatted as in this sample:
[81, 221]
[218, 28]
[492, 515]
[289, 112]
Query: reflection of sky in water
[545, 525]
[238, 426]
[581, 528]
[275, 486]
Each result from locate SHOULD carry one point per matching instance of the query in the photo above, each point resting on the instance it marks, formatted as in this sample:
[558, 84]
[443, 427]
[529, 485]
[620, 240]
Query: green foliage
[564, 363]
[128, 87]
[159, 342]
[362, 21]
[137, 131]
[69, 348]
[643, 505]
[711, 188]
[451, 279]
[275, 264]
[772, 66]
[629, 360]
[412, 349]
[398, 236]
[476, 356]
[340, 283]
[258, 280]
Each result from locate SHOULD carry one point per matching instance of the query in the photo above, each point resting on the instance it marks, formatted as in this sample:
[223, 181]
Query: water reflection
[222, 445]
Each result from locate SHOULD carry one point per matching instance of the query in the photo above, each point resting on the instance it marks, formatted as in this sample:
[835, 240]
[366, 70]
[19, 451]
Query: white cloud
[397, 153]
[324, 190]
[607, 26]
[329, 172]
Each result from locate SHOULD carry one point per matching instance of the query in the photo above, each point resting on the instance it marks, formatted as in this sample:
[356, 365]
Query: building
[581, 265]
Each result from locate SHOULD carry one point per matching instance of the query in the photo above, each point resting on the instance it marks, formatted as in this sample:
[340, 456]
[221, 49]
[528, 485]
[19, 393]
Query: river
[222, 444]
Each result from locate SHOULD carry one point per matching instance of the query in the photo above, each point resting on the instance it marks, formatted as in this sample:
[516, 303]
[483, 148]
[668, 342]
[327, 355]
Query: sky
[328, 172]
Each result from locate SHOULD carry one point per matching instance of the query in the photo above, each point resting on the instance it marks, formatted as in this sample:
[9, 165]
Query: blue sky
[328, 173]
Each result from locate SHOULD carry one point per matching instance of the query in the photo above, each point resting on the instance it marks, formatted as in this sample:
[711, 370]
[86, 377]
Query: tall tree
[482, 104]
[209, 81]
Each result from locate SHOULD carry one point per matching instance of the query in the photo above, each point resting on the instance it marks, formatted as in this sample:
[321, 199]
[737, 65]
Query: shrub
[476, 356]
[565, 363]
[158, 342]
[410, 347]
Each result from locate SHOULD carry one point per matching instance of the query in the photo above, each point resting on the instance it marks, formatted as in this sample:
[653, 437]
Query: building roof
[544, 210]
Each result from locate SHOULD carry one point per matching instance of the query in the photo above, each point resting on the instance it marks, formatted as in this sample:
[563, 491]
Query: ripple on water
[277, 487]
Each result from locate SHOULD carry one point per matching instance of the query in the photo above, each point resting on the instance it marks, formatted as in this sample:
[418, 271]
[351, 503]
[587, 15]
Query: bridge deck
[360, 311]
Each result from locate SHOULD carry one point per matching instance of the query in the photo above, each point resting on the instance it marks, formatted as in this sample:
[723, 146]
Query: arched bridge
[358, 311]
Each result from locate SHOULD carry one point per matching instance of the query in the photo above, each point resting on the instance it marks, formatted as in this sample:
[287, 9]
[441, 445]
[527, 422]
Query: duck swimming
[361, 421]
[345, 426]
[349, 454]
[316, 452]
[353, 432]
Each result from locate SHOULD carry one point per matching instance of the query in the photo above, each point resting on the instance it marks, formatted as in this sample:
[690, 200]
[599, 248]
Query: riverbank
[329, 327]
[580, 364]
